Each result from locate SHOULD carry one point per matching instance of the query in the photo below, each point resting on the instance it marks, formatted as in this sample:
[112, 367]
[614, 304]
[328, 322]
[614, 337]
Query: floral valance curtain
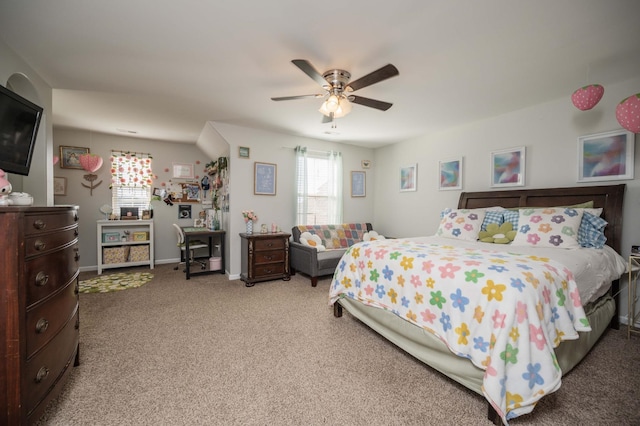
[131, 169]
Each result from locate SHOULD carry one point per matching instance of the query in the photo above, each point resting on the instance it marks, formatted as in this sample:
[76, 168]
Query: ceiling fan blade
[373, 103]
[288, 98]
[309, 70]
[378, 75]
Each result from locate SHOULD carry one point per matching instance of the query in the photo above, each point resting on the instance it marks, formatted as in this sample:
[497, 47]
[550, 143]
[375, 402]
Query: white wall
[276, 148]
[28, 84]
[548, 131]
[163, 153]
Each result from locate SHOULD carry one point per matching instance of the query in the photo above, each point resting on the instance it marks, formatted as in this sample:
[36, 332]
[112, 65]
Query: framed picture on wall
[183, 171]
[70, 157]
[409, 178]
[59, 185]
[243, 152]
[507, 167]
[358, 184]
[606, 156]
[450, 174]
[265, 179]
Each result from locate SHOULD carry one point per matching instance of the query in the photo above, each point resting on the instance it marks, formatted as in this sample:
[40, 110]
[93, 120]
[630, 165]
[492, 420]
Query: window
[319, 187]
[131, 180]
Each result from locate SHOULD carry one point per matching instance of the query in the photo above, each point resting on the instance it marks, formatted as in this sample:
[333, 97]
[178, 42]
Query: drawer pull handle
[75, 217]
[42, 374]
[42, 325]
[268, 257]
[39, 224]
[76, 257]
[40, 245]
[75, 232]
[41, 279]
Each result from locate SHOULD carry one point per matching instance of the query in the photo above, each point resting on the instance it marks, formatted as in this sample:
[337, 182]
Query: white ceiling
[162, 69]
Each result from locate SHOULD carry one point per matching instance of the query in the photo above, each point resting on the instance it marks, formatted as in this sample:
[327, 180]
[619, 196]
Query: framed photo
[184, 211]
[507, 167]
[243, 152]
[183, 171]
[59, 185]
[264, 182]
[70, 157]
[409, 178]
[358, 184]
[606, 156]
[450, 174]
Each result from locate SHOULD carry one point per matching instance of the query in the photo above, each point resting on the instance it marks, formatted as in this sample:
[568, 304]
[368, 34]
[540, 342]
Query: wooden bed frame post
[337, 309]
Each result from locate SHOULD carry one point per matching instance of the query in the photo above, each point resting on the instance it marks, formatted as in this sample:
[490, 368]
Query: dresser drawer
[42, 370]
[269, 256]
[39, 223]
[269, 244]
[45, 320]
[266, 270]
[47, 242]
[45, 274]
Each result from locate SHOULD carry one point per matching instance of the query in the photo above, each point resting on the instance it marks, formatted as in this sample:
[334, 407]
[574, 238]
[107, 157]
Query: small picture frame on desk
[635, 251]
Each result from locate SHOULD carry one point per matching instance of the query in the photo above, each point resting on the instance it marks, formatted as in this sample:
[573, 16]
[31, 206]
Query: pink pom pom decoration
[587, 97]
[628, 113]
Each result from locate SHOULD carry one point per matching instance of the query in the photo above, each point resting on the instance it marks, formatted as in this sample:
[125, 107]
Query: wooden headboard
[608, 197]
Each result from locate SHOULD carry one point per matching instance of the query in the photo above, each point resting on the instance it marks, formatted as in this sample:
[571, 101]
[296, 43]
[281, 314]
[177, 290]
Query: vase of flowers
[249, 217]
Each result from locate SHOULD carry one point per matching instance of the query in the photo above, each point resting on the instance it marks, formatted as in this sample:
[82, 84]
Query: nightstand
[264, 257]
[634, 275]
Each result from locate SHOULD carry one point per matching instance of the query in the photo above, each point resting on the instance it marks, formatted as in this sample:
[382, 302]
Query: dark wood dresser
[264, 257]
[39, 323]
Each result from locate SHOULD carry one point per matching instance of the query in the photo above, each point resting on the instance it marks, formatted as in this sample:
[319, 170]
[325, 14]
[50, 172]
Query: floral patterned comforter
[503, 311]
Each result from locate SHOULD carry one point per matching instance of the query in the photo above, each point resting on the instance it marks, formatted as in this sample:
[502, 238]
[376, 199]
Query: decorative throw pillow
[502, 234]
[548, 227]
[492, 217]
[312, 240]
[591, 231]
[461, 224]
[372, 236]
[512, 217]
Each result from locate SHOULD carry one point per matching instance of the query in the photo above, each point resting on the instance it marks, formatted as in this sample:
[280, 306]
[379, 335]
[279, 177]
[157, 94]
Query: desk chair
[195, 244]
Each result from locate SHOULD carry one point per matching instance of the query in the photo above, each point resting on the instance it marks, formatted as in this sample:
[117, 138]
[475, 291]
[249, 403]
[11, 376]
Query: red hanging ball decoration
[628, 113]
[587, 97]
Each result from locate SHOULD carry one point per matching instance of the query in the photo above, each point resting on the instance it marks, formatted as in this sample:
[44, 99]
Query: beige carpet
[209, 351]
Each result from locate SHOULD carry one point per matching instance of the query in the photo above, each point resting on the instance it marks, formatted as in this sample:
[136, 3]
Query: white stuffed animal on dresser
[5, 189]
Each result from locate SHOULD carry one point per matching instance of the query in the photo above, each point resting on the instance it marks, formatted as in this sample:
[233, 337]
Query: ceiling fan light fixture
[343, 109]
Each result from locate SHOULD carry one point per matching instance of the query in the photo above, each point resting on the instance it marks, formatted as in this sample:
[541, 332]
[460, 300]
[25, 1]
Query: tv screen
[19, 121]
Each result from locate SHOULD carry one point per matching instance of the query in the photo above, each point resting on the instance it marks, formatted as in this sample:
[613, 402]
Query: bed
[513, 350]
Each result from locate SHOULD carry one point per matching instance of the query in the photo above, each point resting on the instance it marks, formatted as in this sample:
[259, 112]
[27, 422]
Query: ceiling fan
[338, 90]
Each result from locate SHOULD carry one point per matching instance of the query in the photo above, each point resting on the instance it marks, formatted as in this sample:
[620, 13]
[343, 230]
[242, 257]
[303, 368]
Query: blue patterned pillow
[511, 216]
[491, 216]
[591, 231]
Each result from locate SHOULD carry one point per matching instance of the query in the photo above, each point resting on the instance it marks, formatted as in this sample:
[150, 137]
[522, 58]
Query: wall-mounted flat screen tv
[19, 122]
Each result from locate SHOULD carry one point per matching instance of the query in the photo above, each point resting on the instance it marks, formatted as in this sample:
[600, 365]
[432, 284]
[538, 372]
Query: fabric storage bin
[115, 255]
[139, 253]
[215, 263]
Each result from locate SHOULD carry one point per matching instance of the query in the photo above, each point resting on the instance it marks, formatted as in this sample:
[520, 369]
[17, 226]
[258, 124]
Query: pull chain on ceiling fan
[337, 96]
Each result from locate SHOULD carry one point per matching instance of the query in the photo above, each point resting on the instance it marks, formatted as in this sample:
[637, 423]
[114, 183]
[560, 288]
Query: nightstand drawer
[48, 242]
[269, 256]
[269, 244]
[263, 271]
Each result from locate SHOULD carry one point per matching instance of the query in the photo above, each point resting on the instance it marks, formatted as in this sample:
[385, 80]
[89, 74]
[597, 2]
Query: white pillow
[461, 224]
[549, 227]
[312, 240]
[372, 236]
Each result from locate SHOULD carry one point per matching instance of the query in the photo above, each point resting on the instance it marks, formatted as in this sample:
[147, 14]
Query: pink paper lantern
[90, 162]
[587, 97]
[628, 113]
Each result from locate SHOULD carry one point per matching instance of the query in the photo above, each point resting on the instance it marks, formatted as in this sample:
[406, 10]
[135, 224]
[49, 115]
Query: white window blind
[131, 180]
[319, 187]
